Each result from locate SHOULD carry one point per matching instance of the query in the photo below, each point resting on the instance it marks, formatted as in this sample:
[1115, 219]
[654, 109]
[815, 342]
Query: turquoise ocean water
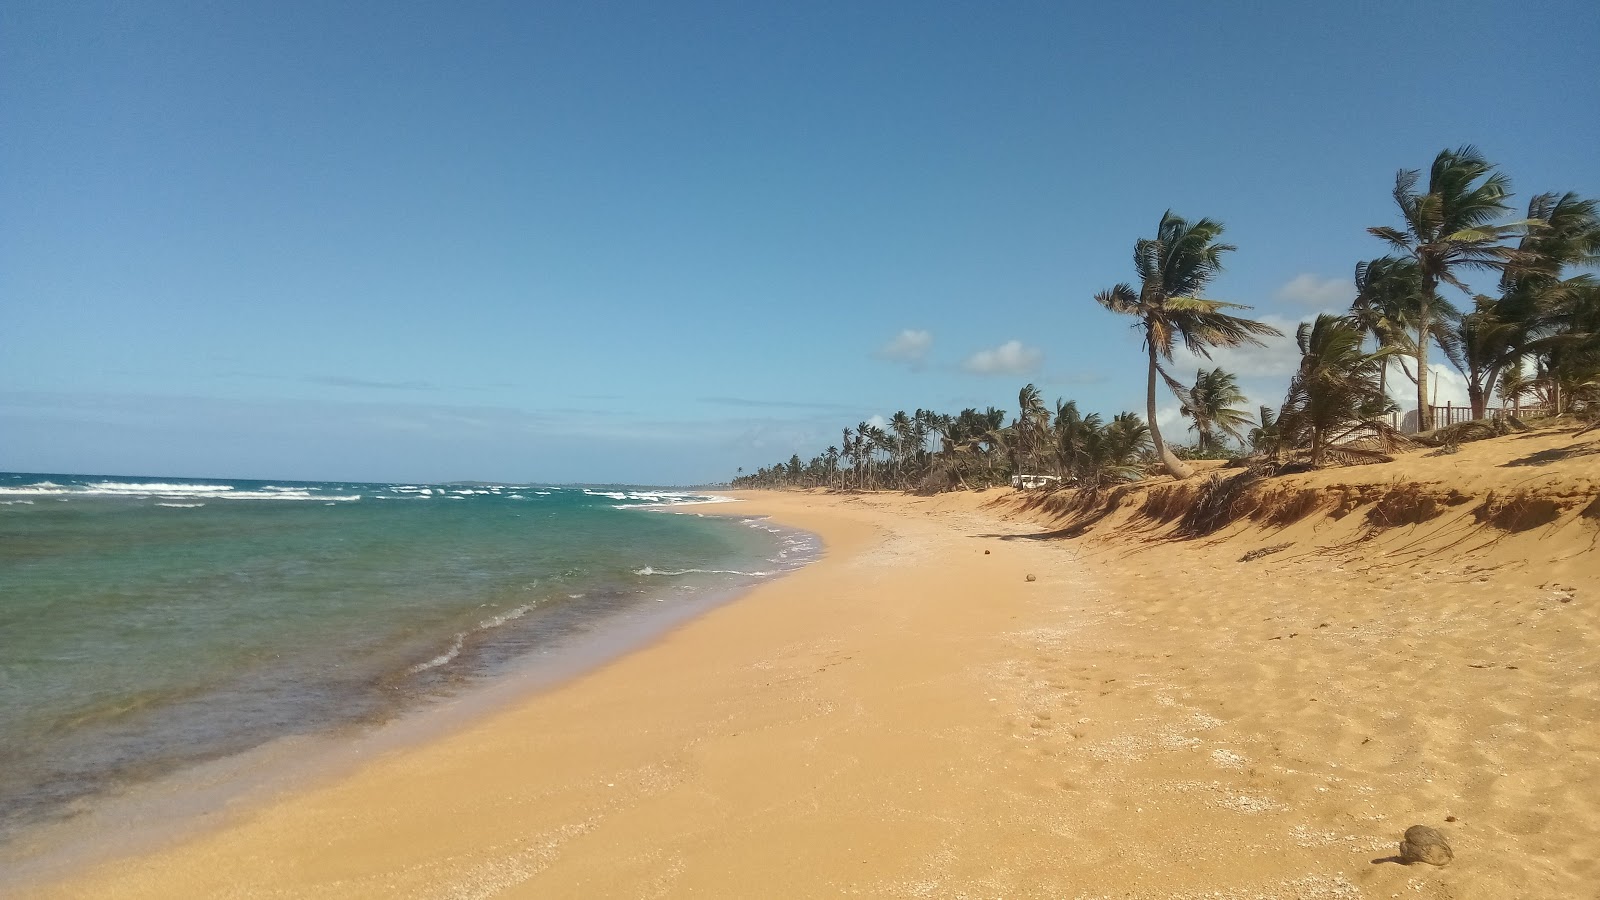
[148, 624]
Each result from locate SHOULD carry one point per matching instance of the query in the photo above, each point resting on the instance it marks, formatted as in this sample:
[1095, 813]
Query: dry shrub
[1218, 503]
[939, 480]
[1092, 506]
[1167, 502]
[1518, 512]
[1286, 506]
[1408, 504]
[1348, 501]
[1351, 455]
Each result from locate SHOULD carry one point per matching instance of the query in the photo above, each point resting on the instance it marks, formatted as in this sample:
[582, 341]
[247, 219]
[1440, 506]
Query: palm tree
[1210, 402]
[901, 436]
[1534, 296]
[1445, 231]
[1267, 438]
[1174, 268]
[1112, 453]
[1030, 418]
[1513, 386]
[1335, 393]
[1071, 429]
[1484, 344]
[1386, 304]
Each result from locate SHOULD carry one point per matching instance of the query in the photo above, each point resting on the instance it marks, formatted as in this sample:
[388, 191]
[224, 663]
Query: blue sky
[655, 242]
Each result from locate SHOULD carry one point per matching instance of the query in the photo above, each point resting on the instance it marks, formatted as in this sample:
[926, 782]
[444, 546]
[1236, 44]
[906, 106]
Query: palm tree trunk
[1424, 335]
[1171, 463]
[1478, 393]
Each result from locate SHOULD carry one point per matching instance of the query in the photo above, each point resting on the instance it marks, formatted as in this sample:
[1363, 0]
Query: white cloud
[1445, 385]
[1318, 293]
[877, 421]
[1279, 358]
[1010, 358]
[909, 346]
[1172, 423]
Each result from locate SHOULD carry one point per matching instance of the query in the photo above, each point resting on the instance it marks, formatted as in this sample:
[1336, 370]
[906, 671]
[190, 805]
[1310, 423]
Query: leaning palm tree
[1447, 230]
[1210, 402]
[1174, 268]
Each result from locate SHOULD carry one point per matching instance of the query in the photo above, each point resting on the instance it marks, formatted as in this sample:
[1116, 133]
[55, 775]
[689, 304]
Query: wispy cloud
[1010, 358]
[909, 346]
[1317, 293]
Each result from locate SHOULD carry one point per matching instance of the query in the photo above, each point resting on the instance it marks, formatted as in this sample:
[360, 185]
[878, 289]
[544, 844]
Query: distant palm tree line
[1545, 315]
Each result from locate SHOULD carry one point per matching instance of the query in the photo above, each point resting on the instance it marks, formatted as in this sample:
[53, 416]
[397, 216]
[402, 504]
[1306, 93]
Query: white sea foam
[161, 490]
[658, 500]
[16, 502]
[509, 616]
[441, 659]
[153, 487]
[181, 505]
[32, 490]
[461, 637]
[286, 495]
[649, 570]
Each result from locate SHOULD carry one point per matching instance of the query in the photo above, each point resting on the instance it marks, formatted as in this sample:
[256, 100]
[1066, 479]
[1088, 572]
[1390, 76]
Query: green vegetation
[1536, 343]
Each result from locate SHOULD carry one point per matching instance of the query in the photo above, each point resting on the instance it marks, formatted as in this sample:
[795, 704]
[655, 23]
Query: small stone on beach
[1424, 844]
[1032, 578]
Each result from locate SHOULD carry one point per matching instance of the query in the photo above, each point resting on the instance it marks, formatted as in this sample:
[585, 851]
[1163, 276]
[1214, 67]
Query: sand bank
[913, 716]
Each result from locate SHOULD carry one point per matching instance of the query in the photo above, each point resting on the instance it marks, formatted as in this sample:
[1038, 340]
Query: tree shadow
[1070, 531]
[1553, 455]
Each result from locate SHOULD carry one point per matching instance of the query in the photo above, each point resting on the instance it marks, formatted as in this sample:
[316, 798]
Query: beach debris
[1425, 845]
[1254, 555]
[1032, 578]
[985, 553]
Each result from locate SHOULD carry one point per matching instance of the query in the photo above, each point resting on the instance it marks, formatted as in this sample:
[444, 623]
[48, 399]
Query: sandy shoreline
[911, 716]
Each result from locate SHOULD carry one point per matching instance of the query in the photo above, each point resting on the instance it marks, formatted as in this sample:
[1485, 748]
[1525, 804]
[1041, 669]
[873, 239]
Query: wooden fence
[1451, 414]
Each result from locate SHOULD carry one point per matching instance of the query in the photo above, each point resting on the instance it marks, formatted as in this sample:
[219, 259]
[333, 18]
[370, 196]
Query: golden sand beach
[1006, 695]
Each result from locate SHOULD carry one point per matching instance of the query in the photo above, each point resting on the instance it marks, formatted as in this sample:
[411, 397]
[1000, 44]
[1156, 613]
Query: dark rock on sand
[1425, 845]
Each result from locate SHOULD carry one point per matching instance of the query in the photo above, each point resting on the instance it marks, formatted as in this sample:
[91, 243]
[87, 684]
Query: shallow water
[150, 624]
